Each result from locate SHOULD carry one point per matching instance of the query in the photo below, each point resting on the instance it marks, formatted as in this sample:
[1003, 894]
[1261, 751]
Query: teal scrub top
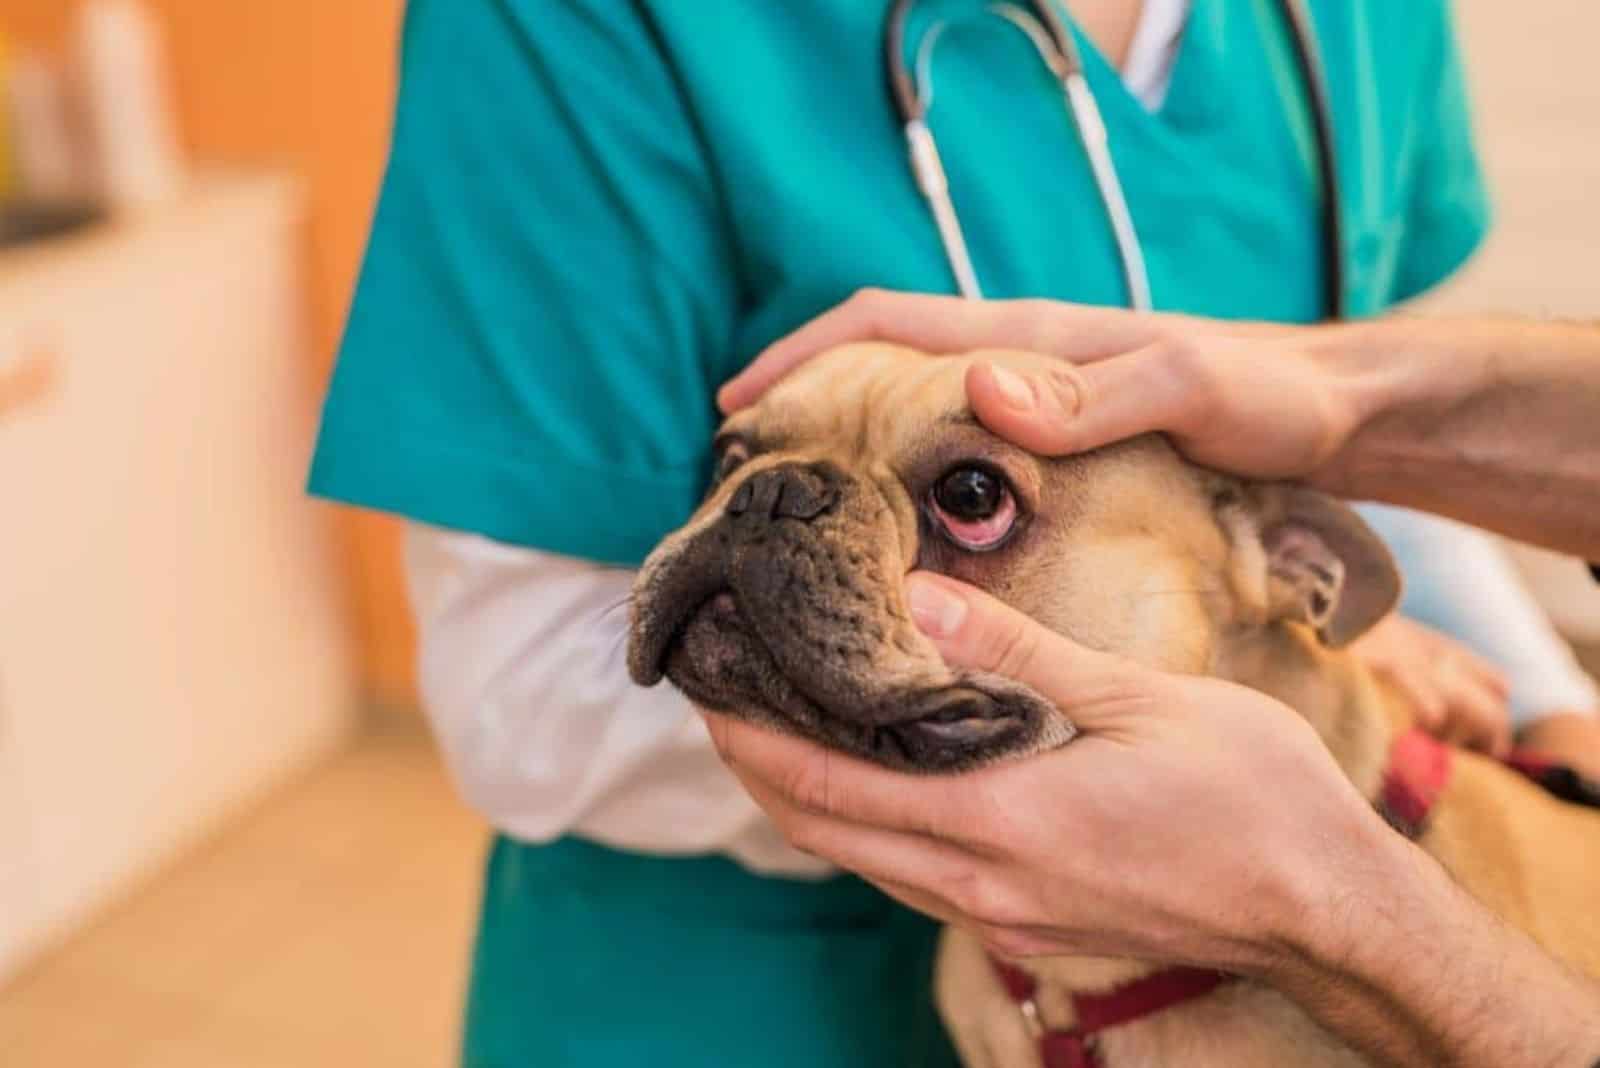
[596, 211]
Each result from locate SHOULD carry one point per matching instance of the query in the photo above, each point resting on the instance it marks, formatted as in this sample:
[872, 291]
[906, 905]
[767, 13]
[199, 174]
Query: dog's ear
[1318, 562]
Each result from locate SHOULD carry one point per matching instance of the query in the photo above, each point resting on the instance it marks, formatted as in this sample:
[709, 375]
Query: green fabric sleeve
[549, 290]
[1449, 213]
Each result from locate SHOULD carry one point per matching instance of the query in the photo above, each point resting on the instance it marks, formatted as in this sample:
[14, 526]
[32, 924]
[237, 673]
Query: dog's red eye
[975, 507]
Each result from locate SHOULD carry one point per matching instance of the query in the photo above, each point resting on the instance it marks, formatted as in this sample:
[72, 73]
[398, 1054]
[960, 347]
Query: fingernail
[937, 611]
[1013, 388]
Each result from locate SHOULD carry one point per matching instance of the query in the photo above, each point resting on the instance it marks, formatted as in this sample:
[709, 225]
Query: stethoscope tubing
[1059, 51]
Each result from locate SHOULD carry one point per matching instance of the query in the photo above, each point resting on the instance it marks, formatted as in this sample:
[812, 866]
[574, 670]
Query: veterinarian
[1489, 422]
[595, 212]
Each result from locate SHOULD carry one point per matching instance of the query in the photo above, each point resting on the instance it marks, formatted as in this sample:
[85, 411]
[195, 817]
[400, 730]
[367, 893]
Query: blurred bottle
[47, 152]
[121, 66]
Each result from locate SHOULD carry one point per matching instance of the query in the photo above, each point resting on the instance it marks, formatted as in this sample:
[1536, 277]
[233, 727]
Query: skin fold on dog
[781, 602]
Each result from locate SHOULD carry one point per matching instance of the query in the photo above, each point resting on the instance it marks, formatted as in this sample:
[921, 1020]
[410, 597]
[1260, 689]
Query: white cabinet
[172, 638]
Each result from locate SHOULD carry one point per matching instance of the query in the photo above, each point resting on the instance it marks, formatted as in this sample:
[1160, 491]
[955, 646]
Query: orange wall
[307, 83]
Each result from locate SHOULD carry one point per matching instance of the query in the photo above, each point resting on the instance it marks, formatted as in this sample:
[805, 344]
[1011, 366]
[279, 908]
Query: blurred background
[224, 838]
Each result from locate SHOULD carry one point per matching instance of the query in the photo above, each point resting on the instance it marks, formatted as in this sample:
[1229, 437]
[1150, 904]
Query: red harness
[1076, 1047]
[1419, 769]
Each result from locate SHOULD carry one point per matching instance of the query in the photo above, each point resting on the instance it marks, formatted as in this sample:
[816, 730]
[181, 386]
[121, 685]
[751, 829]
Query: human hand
[1145, 837]
[1255, 399]
[1457, 695]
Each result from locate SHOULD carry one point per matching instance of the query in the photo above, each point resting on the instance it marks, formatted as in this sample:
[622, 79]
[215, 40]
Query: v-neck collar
[1185, 105]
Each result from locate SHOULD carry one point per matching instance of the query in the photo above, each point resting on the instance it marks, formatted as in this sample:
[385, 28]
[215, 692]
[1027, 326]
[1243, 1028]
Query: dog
[780, 602]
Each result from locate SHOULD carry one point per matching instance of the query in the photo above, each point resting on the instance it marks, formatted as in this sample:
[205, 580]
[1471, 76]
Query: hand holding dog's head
[782, 598]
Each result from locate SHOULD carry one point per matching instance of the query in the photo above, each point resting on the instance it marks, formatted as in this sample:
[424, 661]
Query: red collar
[1418, 771]
[1076, 1047]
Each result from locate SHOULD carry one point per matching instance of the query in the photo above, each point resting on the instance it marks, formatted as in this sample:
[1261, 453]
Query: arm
[1373, 975]
[1487, 421]
[523, 679]
[1490, 422]
[1312, 894]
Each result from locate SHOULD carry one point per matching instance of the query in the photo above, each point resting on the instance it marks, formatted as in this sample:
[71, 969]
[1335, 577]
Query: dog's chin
[716, 661]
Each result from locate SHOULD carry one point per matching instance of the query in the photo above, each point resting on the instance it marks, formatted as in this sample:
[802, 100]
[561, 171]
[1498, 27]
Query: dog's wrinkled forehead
[867, 399]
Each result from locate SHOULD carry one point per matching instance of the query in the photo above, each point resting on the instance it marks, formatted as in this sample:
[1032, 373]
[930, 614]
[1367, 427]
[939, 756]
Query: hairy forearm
[1494, 422]
[1405, 966]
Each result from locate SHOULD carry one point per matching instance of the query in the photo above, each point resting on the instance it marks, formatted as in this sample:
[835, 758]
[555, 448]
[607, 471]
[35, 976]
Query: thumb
[1076, 407]
[974, 630]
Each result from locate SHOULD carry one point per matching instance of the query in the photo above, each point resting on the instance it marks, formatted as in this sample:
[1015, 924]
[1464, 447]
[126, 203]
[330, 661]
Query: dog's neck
[1330, 689]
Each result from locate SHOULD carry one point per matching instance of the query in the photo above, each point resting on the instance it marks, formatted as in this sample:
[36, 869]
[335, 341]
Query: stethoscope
[912, 93]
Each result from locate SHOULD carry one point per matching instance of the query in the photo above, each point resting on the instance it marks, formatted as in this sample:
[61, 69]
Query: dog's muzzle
[783, 608]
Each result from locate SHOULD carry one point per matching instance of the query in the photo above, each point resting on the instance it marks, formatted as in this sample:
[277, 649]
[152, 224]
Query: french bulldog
[781, 602]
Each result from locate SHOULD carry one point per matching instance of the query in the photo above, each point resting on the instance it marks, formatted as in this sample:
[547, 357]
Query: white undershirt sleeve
[1460, 581]
[523, 676]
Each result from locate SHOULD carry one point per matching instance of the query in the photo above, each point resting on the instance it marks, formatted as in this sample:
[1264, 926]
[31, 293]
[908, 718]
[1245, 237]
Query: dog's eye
[970, 494]
[729, 457]
[974, 507]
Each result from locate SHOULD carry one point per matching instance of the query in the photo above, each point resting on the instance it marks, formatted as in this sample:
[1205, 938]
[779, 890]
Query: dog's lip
[953, 713]
[960, 717]
[950, 727]
[961, 711]
[653, 646]
[922, 730]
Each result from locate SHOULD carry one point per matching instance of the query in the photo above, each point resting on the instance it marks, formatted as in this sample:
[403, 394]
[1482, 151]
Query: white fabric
[1460, 580]
[1147, 71]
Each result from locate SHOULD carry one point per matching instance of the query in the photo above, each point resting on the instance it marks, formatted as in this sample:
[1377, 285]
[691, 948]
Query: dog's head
[781, 600]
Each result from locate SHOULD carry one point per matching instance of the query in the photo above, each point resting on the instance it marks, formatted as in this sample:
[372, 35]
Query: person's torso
[790, 101]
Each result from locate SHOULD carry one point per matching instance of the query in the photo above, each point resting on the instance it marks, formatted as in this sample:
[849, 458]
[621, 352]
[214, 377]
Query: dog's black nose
[787, 491]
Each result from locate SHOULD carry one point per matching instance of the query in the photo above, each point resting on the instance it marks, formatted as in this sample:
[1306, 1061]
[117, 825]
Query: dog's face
[781, 600]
